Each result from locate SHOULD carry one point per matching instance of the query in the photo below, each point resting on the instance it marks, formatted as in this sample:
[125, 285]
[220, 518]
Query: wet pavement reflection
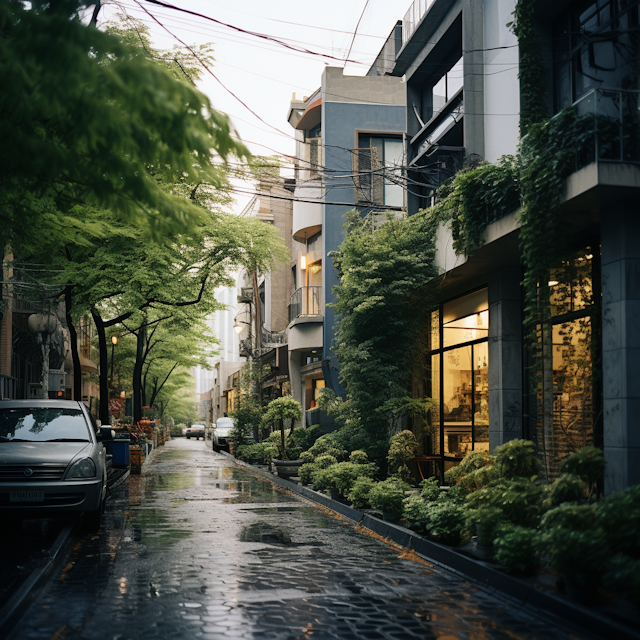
[199, 548]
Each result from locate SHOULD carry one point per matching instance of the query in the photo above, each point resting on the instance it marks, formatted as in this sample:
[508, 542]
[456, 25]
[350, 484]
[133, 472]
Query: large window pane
[481, 396]
[458, 401]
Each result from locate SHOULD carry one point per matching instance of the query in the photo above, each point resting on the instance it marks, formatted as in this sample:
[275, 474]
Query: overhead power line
[255, 34]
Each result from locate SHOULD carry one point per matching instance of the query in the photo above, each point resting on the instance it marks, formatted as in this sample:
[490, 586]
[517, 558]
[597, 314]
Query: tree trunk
[141, 338]
[284, 452]
[103, 412]
[73, 336]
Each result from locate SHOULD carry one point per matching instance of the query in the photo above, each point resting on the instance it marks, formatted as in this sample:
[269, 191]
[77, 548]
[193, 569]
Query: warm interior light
[303, 262]
[114, 340]
[238, 328]
[589, 256]
[553, 283]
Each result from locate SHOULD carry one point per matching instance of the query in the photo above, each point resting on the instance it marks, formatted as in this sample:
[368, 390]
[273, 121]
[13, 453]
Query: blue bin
[120, 451]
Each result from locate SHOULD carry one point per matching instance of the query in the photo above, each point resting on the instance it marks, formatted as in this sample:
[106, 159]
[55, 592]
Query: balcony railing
[305, 301]
[610, 121]
[273, 338]
[412, 18]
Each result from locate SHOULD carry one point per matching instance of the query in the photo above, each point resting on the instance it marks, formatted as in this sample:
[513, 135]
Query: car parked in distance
[51, 461]
[195, 431]
[221, 432]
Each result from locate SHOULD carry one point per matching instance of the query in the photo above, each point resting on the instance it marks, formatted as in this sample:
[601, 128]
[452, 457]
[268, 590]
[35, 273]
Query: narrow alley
[199, 548]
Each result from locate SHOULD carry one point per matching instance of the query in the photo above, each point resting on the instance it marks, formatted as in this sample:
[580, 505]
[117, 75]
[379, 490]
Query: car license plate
[26, 496]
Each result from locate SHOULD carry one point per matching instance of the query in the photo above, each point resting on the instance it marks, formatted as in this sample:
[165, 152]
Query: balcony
[306, 301]
[273, 338]
[307, 214]
[413, 17]
[610, 121]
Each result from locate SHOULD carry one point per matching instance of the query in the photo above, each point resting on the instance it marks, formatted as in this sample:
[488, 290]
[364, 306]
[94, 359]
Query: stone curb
[490, 578]
[11, 612]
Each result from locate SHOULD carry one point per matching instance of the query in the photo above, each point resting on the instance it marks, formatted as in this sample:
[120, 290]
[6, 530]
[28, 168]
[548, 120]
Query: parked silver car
[221, 431]
[51, 461]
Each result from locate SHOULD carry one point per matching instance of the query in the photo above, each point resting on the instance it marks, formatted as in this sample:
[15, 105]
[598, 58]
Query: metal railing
[273, 338]
[305, 301]
[611, 124]
[412, 18]
[7, 387]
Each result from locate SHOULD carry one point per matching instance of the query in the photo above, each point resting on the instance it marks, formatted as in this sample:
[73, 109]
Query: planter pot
[287, 468]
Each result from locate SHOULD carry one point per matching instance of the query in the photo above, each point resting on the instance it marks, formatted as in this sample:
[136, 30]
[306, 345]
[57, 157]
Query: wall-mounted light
[303, 262]
[238, 328]
[553, 283]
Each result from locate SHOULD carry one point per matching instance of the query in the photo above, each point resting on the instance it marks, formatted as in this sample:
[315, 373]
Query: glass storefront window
[460, 376]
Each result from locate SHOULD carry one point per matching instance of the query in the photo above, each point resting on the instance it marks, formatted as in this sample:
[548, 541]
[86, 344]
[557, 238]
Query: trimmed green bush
[307, 456]
[485, 523]
[403, 447]
[565, 488]
[451, 476]
[475, 460]
[359, 494]
[517, 549]
[306, 471]
[325, 460]
[586, 463]
[344, 474]
[358, 457]
[416, 511]
[479, 478]
[519, 499]
[517, 459]
[619, 517]
[387, 496]
[447, 523]
[430, 490]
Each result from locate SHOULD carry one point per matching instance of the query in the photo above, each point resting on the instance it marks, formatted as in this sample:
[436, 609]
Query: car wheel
[216, 448]
[188, 437]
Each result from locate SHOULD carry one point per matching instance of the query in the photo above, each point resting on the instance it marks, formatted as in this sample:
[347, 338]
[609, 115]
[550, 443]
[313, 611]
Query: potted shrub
[588, 464]
[359, 494]
[345, 474]
[403, 447]
[387, 497]
[279, 412]
[485, 522]
[517, 548]
[446, 521]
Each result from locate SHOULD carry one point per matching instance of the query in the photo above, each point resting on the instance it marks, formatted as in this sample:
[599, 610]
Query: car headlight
[84, 468]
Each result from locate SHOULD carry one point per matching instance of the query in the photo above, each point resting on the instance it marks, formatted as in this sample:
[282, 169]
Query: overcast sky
[263, 74]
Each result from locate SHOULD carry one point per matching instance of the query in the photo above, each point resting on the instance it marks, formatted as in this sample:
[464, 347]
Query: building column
[620, 238]
[505, 356]
[295, 380]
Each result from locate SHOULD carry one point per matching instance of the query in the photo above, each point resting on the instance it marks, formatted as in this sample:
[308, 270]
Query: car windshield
[43, 425]
[224, 426]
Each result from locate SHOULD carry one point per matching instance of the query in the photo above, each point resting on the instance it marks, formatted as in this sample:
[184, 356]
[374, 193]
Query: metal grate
[46, 472]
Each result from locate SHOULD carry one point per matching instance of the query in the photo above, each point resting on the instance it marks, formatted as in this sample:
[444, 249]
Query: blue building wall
[340, 122]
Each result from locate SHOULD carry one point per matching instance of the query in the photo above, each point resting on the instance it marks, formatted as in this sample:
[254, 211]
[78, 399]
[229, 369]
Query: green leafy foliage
[476, 196]
[359, 494]
[520, 500]
[486, 522]
[565, 488]
[619, 516]
[280, 411]
[306, 472]
[358, 457]
[388, 496]
[343, 475]
[430, 490]
[517, 548]
[475, 460]
[381, 274]
[447, 522]
[402, 449]
[92, 119]
[479, 478]
[517, 459]
[586, 463]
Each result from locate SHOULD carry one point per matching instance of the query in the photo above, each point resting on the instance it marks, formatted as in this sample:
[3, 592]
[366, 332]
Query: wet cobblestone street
[199, 548]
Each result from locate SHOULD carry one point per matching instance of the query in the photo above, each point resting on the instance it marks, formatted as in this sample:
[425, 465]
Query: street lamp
[238, 328]
[114, 342]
